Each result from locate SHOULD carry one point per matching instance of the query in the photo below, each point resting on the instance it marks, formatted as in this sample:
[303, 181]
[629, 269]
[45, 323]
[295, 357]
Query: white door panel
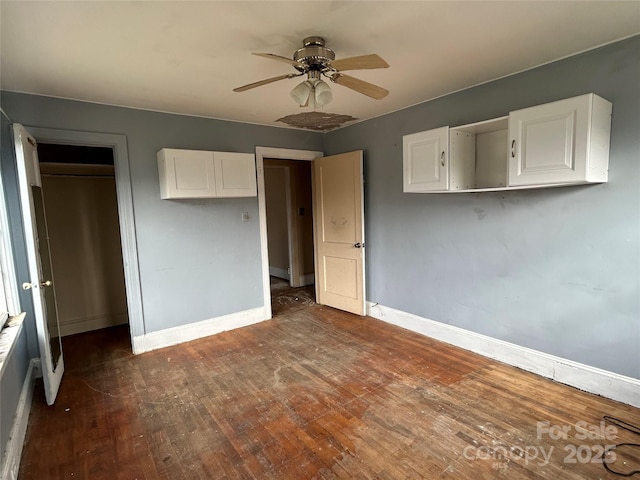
[40, 279]
[339, 231]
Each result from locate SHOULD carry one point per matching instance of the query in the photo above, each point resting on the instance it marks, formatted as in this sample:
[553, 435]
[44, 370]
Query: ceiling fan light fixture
[302, 92]
[311, 93]
[322, 92]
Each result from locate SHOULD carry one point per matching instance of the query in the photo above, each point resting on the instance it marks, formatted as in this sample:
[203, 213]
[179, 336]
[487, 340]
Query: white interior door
[338, 213]
[40, 275]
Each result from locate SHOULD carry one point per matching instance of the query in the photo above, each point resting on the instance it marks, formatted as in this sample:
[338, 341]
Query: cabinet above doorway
[559, 143]
[204, 174]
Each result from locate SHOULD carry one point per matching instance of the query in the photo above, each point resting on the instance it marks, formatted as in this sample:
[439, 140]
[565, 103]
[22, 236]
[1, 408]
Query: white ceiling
[186, 57]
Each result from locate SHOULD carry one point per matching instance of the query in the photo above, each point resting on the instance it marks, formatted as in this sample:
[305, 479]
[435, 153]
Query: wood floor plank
[312, 394]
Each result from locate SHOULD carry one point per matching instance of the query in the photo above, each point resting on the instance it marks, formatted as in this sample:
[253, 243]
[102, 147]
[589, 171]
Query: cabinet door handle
[442, 159]
[513, 149]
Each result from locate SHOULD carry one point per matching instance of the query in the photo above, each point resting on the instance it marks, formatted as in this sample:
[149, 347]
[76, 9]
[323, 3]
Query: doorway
[282, 161]
[289, 216]
[339, 237]
[117, 143]
[79, 190]
[289, 220]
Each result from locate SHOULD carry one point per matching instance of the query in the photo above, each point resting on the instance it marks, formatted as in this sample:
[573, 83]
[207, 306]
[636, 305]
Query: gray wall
[556, 270]
[197, 259]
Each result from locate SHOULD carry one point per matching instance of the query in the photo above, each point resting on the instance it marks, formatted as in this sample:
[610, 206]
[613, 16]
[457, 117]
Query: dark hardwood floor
[313, 393]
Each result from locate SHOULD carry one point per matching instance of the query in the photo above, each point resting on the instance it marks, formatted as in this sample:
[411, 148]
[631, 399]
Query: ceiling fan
[315, 60]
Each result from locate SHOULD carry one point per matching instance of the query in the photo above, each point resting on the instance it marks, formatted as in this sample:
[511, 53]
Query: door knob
[359, 245]
[27, 286]
[45, 284]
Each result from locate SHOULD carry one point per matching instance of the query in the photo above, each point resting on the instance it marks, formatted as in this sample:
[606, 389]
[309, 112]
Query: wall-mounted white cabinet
[202, 174]
[559, 143]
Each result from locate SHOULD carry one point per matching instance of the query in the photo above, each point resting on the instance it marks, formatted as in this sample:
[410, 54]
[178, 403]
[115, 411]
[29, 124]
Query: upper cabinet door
[560, 142]
[186, 173]
[204, 174]
[426, 161]
[235, 174]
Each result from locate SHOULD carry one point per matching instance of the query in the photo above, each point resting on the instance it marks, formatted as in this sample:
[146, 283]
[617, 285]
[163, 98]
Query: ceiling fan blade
[362, 62]
[360, 86]
[265, 82]
[281, 59]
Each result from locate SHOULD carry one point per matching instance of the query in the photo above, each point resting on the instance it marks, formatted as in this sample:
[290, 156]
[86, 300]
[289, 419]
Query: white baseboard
[88, 324]
[279, 272]
[11, 458]
[590, 379]
[193, 331]
[307, 279]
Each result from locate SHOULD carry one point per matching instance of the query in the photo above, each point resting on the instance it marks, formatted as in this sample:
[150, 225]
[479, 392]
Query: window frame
[9, 299]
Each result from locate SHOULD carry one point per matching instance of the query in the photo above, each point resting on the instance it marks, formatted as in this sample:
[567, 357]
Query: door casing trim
[124, 194]
[261, 154]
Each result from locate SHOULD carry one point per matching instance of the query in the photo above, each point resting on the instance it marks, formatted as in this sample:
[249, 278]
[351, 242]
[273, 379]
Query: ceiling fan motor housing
[314, 54]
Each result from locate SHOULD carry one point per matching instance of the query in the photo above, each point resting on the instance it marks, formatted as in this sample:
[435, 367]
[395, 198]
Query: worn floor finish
[314, 393]
[285, 299]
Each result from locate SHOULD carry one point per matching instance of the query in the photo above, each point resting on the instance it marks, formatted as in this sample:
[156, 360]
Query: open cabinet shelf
[555, 144]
